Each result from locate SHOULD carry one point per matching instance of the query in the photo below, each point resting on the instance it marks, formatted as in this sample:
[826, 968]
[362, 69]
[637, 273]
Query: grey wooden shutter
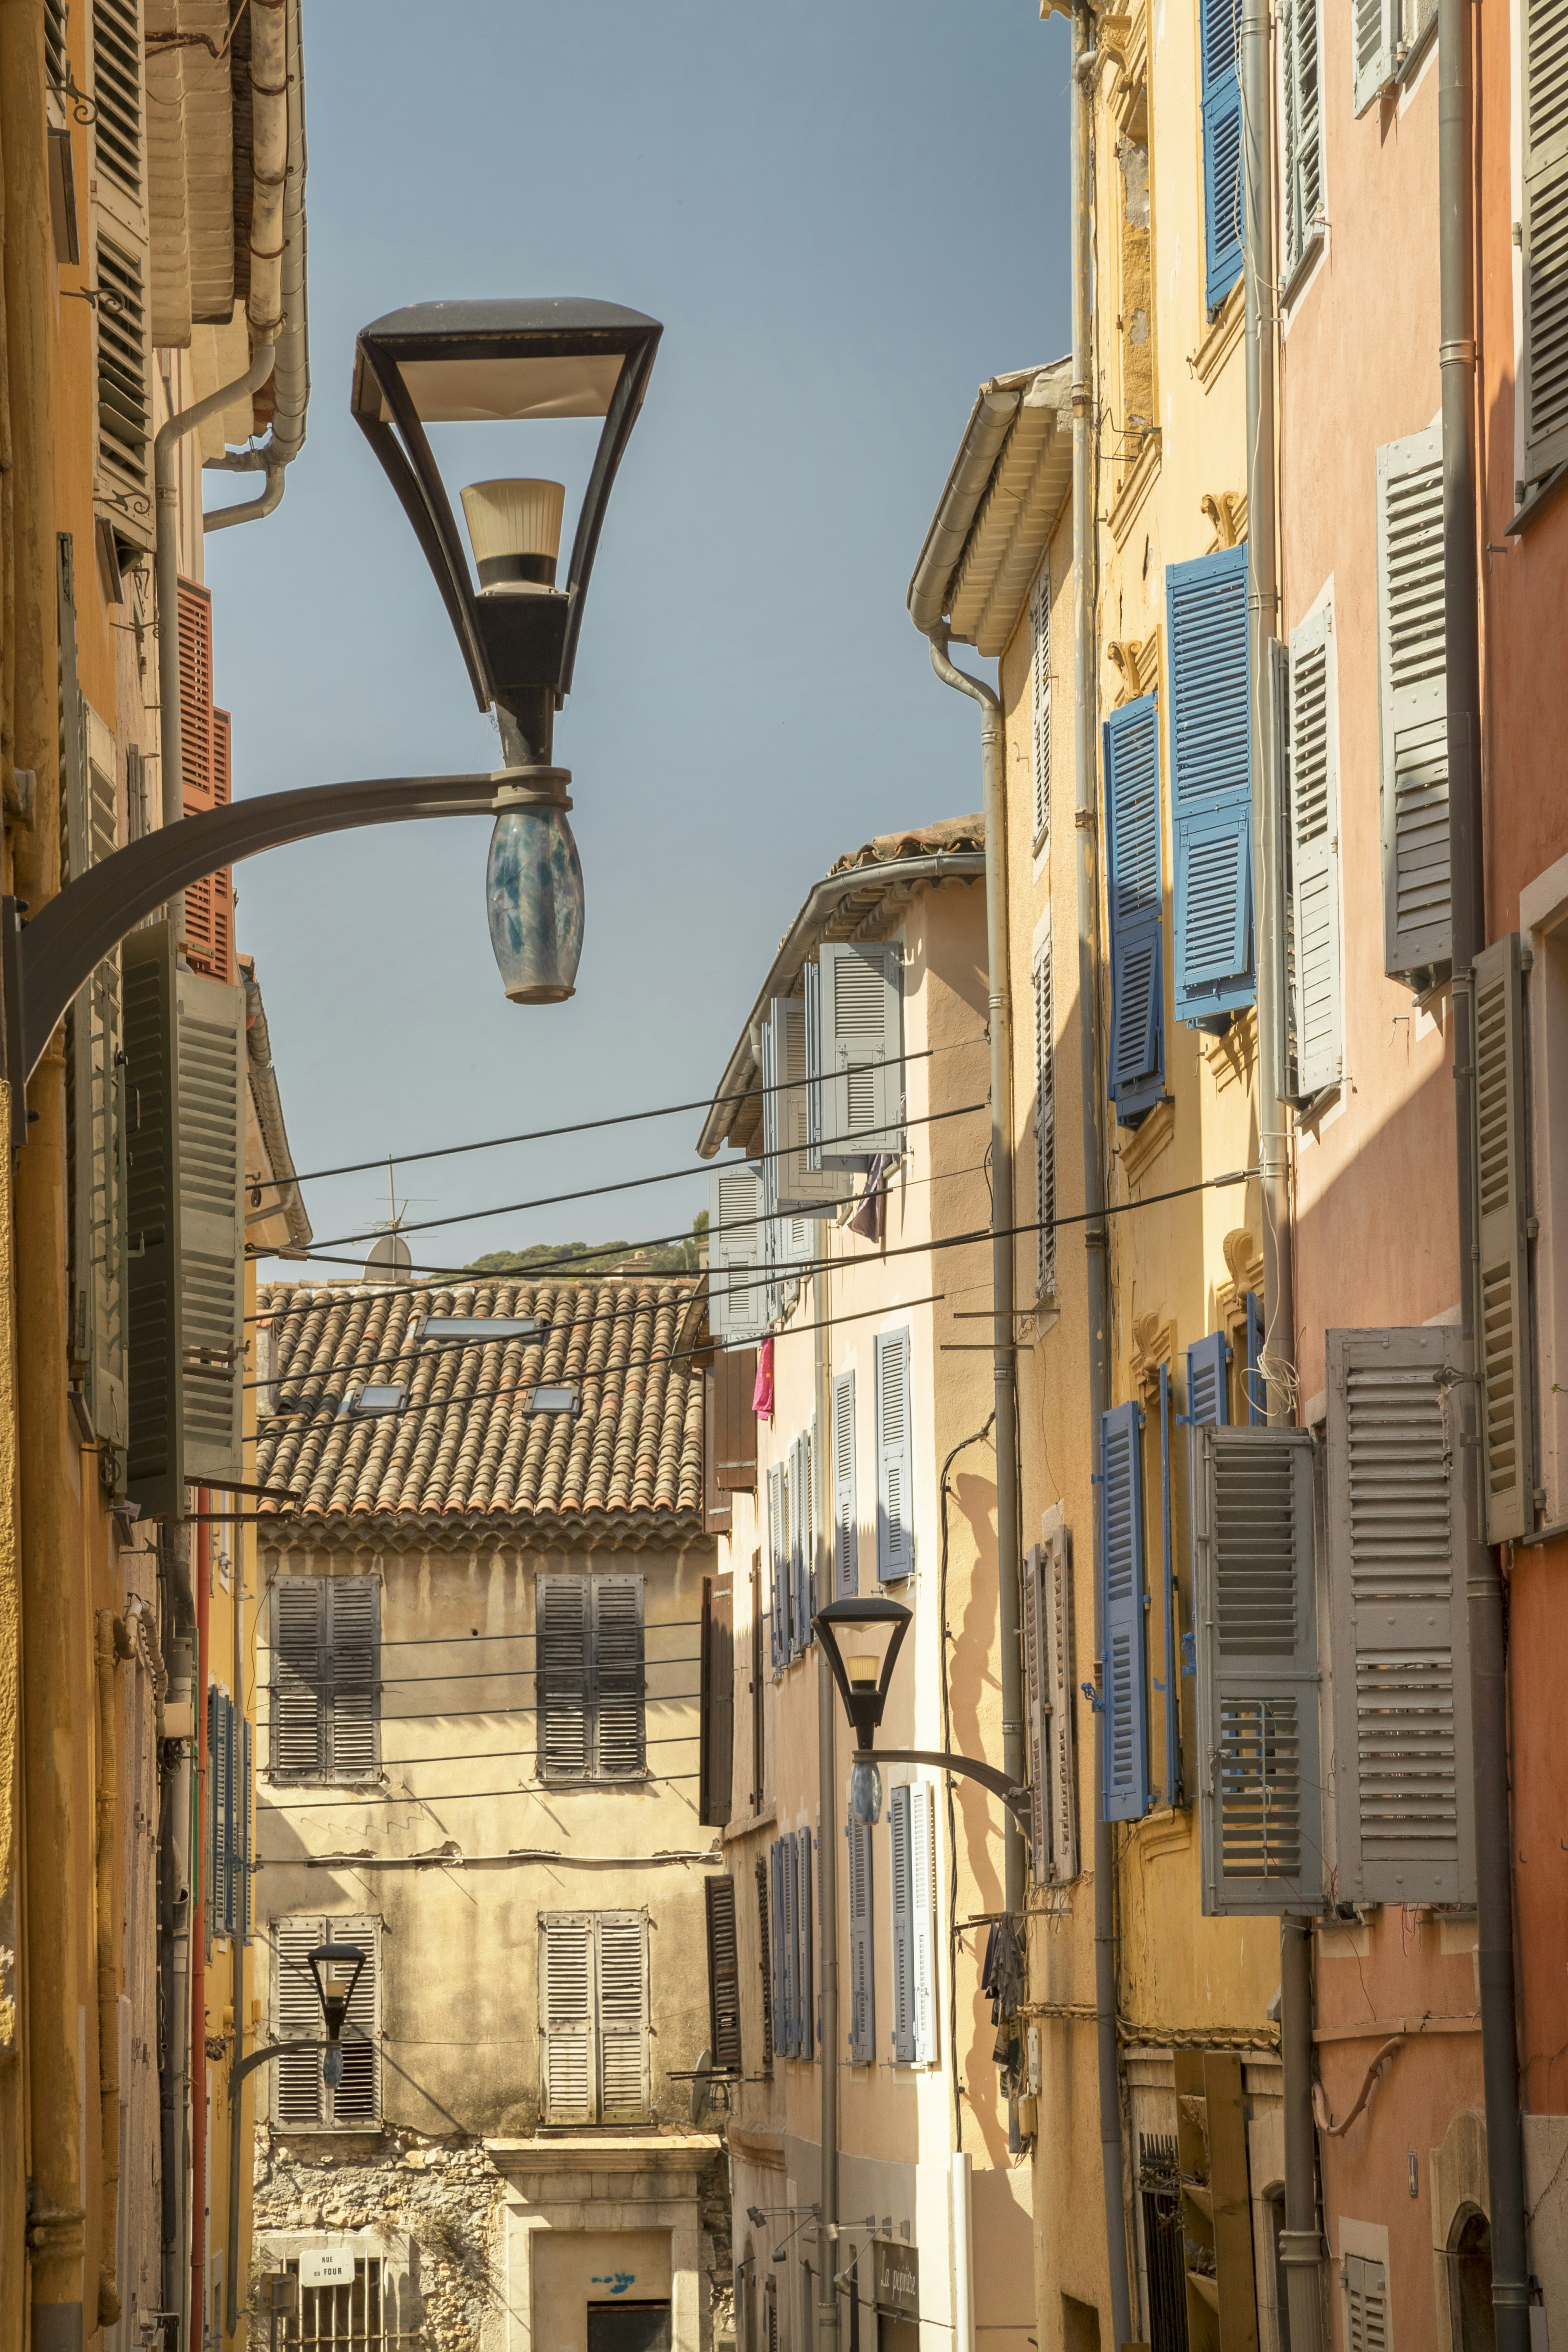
[296, 1729]
[1040, 699]
[219, 1804]
[1037, 1715]
[246, 1829]
[862, 1948]
[765, 1954]
[1259, 1810]
[1403, 1801]
[1508, 1431]
[1125, 1688]
[569, 2067]
[156, 1472]
[778, 1568]
[773, 1943]
[922, 1908]
[561, 1633]
[901, 1861]
[353, 1677]
[789, 1938]
[737, 1299]
[1057, 1601]
[1543, 374]
[1303, 128]
[623, 2017]
[296, 2089]
[1412, 702]
[805, 1948]
[717, 1760]
[210, 1108]
[808, 1534]
[1044, 1118]
[895, 1464]
[618, 1750]
[123, 324]
[846, 1509]
[1314, 814]
[862, 1043]
[793, 1185]
[1375, 41]
[356, 2102]
[723, 1974]
[1366, 2305]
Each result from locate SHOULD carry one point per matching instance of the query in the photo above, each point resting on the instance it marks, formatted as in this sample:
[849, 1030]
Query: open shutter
[1040, 700]
[792, 1184]
[618, 1680]
[1303, 128]
[737, 1300]
[296, 2090]
[716, 1766]
[799, 1491]
[354, 1677]
[895, 1529]
[1254, 1386]
[297, 1731]
[1508, 1431]
[356, 2102]
[210, 1107]
[773, 1922]
[778, 1568]
[766, 1910]
[205, 781]
[1057, 1599]
[862, 1951]
[155, 1474]
[846, 1509]
[217, 1815]
[1314, 817]
[1219, 41]
[1211, 785]
[862, 1049]
[789, 1936]
[808, 1535]
[1544, 373]
[246, 1832]
[1259, 1807]
[122, 323]
[562, 1634]
[1375, 27]
[1037, 1712]
[723, 1975]
[1136, 1045]
[1417, 931]
[1121, 1614]
[902, 1914]
[1401, 1773]
[922, 1908]
[1044, 1118]
[623, 2017]
[567, 1957]
[1366, 2305]
[1207, 1398]
[804, 1948]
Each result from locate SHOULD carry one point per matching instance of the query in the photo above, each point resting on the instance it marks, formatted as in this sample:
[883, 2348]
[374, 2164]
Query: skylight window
[450, 1330]
[373, 1401]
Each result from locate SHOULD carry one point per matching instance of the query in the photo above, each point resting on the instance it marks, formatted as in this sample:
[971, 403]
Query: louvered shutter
[1417, 933]
[570, 2059]
[792, 1184]
[1044, 1118]
[1543, 376]
[1303, 128]
[121, 318]
[862, 1046]
[766, 1965]
[1137, 1044]
[789, 1939]
[246, 1830]
[1375, 35]
[1207, 1398]
[561, 1629]
[1121, 1614]
[1219, 41]
[795, 1502]
[1366, 2305]
[218, 1801]
[297, 1730]
[619, 1752]
[737, 1303]
[1508, 1430]
[774, 1946]
[353, 1677]
[862, 1948]
[922, 1920]
[1211, 784]
[778, 1570]
[816, 1092]
[895, 1463]
[1062, 1688]
[1259, 1808]
[1314, 819]
[846, 1509]
[623, 2017]
[1040, 699]
[296, 2090]
[805, 1948]
[211, 1100]
[716, 1766]
[723, 1974]
[902, 1915]
[1037, 1711]
[1256, 1387]
[205, 782]
[356, 2102]
[808, 1537]
[1401, 1773]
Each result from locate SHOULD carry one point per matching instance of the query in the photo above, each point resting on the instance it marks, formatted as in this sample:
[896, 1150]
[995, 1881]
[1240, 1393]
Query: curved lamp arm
[243, 2066]
[1014, 1798]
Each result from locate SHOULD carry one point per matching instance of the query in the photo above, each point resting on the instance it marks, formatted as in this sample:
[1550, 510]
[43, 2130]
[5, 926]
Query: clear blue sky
[848, 214]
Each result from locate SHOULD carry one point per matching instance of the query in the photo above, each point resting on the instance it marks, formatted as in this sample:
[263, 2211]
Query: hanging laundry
[762, 1392]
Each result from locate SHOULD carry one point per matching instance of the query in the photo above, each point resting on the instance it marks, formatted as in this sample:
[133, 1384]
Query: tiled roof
[919, 841]
[466, 1455]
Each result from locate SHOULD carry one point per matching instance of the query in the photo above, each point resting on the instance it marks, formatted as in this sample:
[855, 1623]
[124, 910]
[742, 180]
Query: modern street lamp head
[514, 529]
[874, 1629]
[336, 1968]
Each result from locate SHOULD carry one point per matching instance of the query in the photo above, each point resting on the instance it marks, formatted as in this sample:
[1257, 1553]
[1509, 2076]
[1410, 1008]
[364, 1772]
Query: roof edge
[991, 421]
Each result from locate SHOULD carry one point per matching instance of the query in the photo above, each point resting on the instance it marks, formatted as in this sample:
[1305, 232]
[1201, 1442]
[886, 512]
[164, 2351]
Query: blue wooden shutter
[895, 1533]
[1206, 1360]
[1219, 38]
[1211, 785]
[1133, 898]
[1122, 1615]
[1256, 1393]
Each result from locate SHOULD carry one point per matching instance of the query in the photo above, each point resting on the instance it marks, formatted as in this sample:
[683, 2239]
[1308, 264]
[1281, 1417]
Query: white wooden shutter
[570, 2058]
[778, 1568]
[211, 1100]
[1040, 699]
[1544, 372]
[1412, 693]
[1401, 1773]
[792, 1184]
[1507, 1419]
[862, 1043]
[1062, 1689]
[895, 1465]
[1303, 156]
[901, 1862]
[352, 1676]
[623, 2017]
[846, 1509]
[1037, 1712]
[1366, 2305]
[817, 1065]
[1314, 815]
[296, 2090]
[922, 1908]
[1259, 1810]
[737, 1303]
[121, 317]
[561, 1633]
[356, 2102]
[862, 1948]
[618, 1681]
[1045, 1119]
[1374, 42]
[296, 1729]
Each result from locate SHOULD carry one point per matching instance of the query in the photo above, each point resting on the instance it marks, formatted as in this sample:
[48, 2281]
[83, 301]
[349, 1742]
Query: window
[1366, 2305]
[1044, 1118]
[1160, 2202]
[1375, 27]
[1219, 41]
[790, 1182]
[778, 1568]
[589, 1637]
[911, 1842]
[1302, 161]
[205, 775]
[764, 1867]
[895, 1526]
[790, 1907]
[122, 321]
[1040, 696]
[1543, 371]
[324, 1722]
[593, 2012]
[858, 1053]
[229, 1848]
[1413, 704]
[759, 1715]
[723, 1975]
[1317, 1014]
[801, 1498]
[1124, 1693]
[717, 1744]
[1508, 1418]
[846, 1508]
[346, 2318]
[737, 1291]
[1051, 1698]
[1211, 787]
[862, 1948]
[302, 2099]
[1132, 887]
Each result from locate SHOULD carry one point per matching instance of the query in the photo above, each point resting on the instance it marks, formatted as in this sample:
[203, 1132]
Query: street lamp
[336, 1968]
[876, 1629]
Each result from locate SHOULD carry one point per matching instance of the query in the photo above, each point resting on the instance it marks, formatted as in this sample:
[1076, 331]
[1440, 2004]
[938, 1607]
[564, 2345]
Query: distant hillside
[600, 1257]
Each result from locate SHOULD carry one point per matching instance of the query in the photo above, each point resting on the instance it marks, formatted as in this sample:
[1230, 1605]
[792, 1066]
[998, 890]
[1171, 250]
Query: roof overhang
[998, 510]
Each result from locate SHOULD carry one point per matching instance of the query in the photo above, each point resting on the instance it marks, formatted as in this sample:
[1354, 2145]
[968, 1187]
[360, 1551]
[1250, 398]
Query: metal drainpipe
[827, 2332]
[1086, 818]
[1488, 1665]
[175, 1859]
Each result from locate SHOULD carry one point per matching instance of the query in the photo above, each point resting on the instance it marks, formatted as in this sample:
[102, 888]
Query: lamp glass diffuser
[533, 893]
[866, 1795]
[514, 529]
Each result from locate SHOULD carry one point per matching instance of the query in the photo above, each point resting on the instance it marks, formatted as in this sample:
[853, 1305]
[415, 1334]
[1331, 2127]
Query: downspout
[195, 2019]
[241, 1944]
[111, 1644]
[174, 1860]
[1086, 818]
[1488, 1663]
[827, 2331]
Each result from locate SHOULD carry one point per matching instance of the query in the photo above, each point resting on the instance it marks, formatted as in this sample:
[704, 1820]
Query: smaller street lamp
[876, 1629]
[336, 1968]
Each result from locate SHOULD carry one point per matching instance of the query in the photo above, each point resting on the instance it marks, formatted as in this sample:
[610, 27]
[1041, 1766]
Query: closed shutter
[723, 1975]
[1037, 1711]
[775, 1947]
[298, 1704]
[560, 1647]
[1211, 785]
[1121, 1614]
[569, 2070]
[1259, 1807]
[296, 2089]
[1136, 1045]
[765, 1956]
[1508, 1434]
[737, 1301]
[716, 1766]
[1219, 41]
[1366, 2305]
[356, 2102]
[121, 317]
[211, 1102]
[778, 1568]
[247, 1831]
[218, 1808]
[846, 1508]
[1374, 28]
[792, 1184]
[1303, 129]
[922, 1909]
[353, 1677]
[895, 1528]
[618, 1678]
[623, 2017]
[862, 1049]
[1543, 377]
[901, 1911]
[1045, 1119]
[1057, 1599]
[1418, 934]
[1314, 818]
[1401, 1773]
[1040, 698]
[788, 1931]
[862, 1948]
[805, 1946]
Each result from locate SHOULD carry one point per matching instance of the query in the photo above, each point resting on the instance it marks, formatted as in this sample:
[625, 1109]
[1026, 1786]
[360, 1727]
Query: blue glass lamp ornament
[533, 893]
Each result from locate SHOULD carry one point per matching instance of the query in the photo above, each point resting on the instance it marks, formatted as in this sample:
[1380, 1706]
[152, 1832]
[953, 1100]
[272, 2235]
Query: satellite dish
[702, 2085]
[390, 1257]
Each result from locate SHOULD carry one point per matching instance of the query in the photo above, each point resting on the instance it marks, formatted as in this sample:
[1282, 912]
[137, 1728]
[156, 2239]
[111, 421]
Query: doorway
[629, 2327]
[1470, 2269]
[897, 2335]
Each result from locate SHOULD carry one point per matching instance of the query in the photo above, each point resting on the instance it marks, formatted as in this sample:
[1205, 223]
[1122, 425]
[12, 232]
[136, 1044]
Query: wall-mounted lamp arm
[1014, 1798]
